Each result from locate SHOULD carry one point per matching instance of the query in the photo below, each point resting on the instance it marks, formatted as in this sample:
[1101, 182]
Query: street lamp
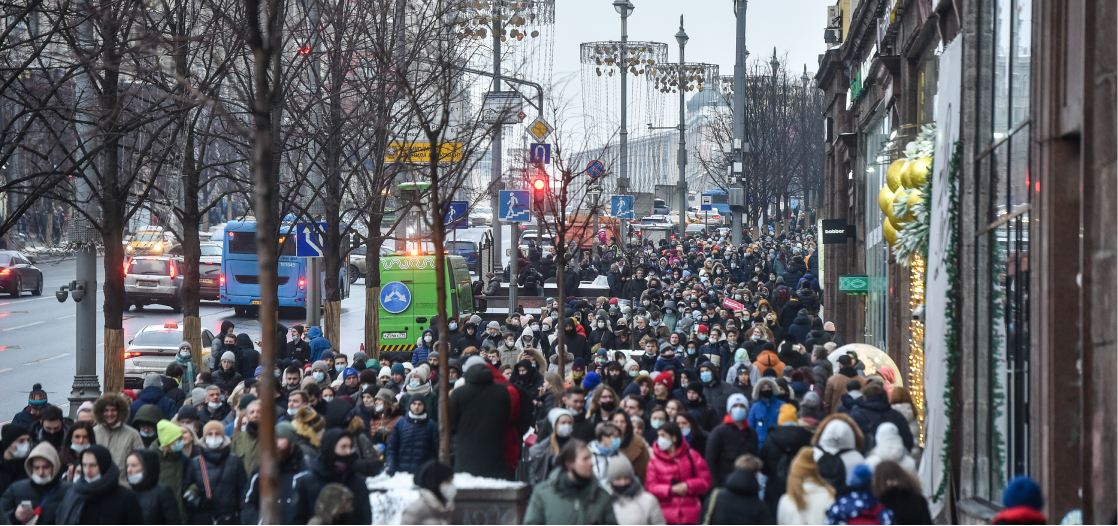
[624, 8]
[681, 39]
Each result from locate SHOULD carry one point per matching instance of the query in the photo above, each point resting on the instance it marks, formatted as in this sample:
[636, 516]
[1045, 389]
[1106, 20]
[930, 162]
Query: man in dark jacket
[715, 390]
[335, 464]
[788, 313]
[44, 488]
[781, 446]
[291, 463]
[153, 395]
[172, 380]
[730, 440]
[36, 401]
[102, 500]
[738, 501]
[875, 409]
[480, 412]
[576, 343]
[158, 503]
[467, 340]
[248, 356]
[801, 326]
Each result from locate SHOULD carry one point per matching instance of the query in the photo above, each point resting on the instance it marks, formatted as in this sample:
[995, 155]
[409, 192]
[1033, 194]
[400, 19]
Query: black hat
[9, 434]
[188, 412]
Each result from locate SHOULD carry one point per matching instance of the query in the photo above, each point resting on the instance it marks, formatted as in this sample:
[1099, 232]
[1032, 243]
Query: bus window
[453, 305]
[245, 243]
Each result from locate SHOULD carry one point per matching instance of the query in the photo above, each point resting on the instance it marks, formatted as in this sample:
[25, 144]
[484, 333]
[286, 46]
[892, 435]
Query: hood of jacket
[802, 320]
[836, 436]
[743, 482]
[123, 411]
[150, 395]
[527, 333]
[479, 376]
[765, 380]
[713, 370]
[150, 461]
[149, 414]
[877, 405]
[44, 451]
[244, 341]
[314, 332]
[888, 444]
[768, 359]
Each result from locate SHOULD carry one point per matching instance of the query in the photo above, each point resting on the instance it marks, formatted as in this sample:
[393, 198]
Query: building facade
[1017, 365]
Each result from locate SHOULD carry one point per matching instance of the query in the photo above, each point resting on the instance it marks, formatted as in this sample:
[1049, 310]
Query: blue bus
[239, 283]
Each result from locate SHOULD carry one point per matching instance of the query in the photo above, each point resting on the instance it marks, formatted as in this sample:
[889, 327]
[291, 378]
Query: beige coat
[120, 439]
[427, 509]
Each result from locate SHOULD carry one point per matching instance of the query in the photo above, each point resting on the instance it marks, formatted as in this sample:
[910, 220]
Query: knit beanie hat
[591, 381]
[197, 395]
[664, 378]
[187, 412]
[38, 396]
[557, 412]
[9, 434]
[472, 361]
[386, 395]
[152, 380]
[245, 400]
[286, 430]
[326, 355]
[168, 432]
[398, 368]
[619, 467]
[787, 414]
[310, 418]
[347, 372]
[1023, 491]
[320, 365]
[213, 425]
[229, 356]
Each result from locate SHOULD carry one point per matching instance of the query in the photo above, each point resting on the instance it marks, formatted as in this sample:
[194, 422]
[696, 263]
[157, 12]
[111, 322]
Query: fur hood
[123, 408]
[838, 432]
[765, 381]
[537, 355]
[888, 446]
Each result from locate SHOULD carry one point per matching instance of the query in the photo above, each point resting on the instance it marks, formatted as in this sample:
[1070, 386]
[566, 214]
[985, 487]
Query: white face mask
[92, 479]
[42, 481]
[292, 411]
[601, 325]
[214, 442]
[448, 491]
[135, 479]
[22, 450]
[664, 443]
[427, 338]
[564, 430]
[79, 447]
[214, 405]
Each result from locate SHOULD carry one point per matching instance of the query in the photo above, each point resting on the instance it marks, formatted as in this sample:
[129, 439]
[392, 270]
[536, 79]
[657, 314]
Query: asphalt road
[37, 335]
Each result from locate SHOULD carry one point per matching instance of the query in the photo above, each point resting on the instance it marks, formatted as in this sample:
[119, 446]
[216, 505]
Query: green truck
[408, 299]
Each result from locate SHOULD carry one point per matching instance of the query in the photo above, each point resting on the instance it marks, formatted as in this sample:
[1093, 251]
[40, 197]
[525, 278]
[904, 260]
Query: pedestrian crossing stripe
[397, 348]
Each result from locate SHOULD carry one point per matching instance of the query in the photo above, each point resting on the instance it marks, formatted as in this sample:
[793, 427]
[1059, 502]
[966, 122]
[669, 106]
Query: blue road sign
[309, 240]
[395, 297]
[706, 202]
[539, 153]
[515, 206]
[622, 206]
[596, 169]
[456, 215]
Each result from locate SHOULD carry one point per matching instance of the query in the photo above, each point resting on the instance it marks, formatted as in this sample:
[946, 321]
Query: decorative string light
[916, 341]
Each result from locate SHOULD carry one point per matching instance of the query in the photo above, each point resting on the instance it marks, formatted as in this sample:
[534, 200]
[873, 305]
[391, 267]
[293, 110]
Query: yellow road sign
[540, 128]
[420, 152]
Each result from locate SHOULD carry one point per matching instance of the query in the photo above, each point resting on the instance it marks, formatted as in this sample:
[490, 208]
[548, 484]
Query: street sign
[539, 153]
[854, 284]
[420, 152]
[540, 129]
[515, 206]
[622, 206]
[308, 241]
[520, 116]
[501, 107]
[706, 202]
[457, 214]
[395, 297]
[595, 169]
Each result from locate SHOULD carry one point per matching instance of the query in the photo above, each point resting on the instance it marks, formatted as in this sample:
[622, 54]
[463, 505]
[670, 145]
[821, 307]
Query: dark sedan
[18, 274]
[468, 250]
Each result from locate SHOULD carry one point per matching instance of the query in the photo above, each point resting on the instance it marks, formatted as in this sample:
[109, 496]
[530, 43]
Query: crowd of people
[699, 390]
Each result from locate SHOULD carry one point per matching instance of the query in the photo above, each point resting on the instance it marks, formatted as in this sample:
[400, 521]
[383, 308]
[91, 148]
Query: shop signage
[854, 284]
[836, 231]
[859, 78]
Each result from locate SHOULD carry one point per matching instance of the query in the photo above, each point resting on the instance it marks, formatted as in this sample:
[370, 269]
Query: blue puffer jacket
[317, 343]
[153, 395]
[423, 350]
[412, 443]
[763, 414]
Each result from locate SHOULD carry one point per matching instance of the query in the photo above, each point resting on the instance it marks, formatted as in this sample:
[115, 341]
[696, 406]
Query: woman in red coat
[678, 476]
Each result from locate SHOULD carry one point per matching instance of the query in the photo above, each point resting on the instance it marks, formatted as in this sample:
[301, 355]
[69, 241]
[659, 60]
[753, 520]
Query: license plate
[206, 281]
[256, 302]
[147, 283]
[393, 335]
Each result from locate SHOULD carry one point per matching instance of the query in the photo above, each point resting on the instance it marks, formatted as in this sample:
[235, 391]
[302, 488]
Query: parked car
[357, 265]
[153, 280]
[153, 241]
[18, 274]
[209, 271]
[153, 348]
[468, 250]
[696, 229]
[481, 216]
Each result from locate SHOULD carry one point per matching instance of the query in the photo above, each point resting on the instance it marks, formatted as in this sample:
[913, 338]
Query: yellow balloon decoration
[889, 232]
[914, 196]
[901, 196]
[915, 173]
[885, 201]
[893, 175]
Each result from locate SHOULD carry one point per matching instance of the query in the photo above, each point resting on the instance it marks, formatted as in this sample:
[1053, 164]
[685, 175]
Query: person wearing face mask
[425, 347]
[78, 438]
[605, 449]
[145, 421]
[244, 443]
[602, 334]
[468, 339]
[319, 373]
[215, 408]
[99, 498]
[730, 440]
[227, 371]
[43, 489]
[560, 422]
[171, 450]
[215, 480]
[111, 411]
[298, 348]
[184, 359]
[435, 504]
[677, 476]
[335, 464]
[670, 316]
[15, 441]
[157, 503]
[571, 494]
[152, 394]
[414, 440]
[419, 388]
[765, 412]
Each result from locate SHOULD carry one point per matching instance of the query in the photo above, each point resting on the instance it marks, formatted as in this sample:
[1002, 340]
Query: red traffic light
[539, 184]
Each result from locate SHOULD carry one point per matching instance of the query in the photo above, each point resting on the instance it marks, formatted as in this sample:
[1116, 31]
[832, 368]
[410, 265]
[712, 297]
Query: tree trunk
[114, 369]
[372, 296]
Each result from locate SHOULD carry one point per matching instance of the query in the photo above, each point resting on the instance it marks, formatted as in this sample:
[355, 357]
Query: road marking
[5, 370]
[64, 317]
[22, 326]
[47, 359]
[9, 347]
[28, 299]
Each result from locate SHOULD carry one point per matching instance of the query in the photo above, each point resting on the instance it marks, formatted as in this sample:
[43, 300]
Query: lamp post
[681, 39]
[739, 145]
[624, 8]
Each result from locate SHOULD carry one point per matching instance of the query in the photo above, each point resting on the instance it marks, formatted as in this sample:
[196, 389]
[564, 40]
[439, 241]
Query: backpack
[832, 469]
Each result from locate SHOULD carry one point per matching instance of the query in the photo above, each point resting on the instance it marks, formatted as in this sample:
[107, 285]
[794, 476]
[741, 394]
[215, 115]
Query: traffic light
[541, 191]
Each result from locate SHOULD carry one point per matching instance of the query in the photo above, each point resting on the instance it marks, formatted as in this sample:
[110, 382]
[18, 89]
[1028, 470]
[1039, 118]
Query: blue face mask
[453, 326]
[706, 377]
[414, 384]
[737, 413]
[318, 377]
[690, 351]
[656, 423]
[703, 337]
[339, 368]
[147, 434]
[178, 445]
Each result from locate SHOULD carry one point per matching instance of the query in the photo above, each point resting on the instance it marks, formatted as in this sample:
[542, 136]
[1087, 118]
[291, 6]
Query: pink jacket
[686, 466]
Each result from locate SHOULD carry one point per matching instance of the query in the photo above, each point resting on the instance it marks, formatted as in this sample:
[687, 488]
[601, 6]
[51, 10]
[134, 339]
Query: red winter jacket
[686, 466]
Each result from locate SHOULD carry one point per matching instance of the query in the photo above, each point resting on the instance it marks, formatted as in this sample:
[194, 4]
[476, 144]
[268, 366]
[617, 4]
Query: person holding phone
[38, 495]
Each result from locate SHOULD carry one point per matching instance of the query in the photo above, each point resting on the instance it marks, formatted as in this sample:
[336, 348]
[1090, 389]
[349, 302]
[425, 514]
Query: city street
[37, 335]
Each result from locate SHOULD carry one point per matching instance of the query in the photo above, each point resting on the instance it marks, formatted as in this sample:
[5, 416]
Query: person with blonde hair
[807, 496]
[901, 400]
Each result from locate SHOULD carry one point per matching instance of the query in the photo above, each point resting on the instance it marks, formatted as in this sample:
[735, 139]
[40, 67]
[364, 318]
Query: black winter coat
[308, 484]
[907, 508]
[11, 471]
[227, 482]
[158, 502]
[480, 412]
[871, 412]
[781, 446]
[294, 465]
[737, 502]
[726, 443]
[28, 490]
[800, 328]
[578, 346]
[411, 443]
[103, 501]
[788, 313]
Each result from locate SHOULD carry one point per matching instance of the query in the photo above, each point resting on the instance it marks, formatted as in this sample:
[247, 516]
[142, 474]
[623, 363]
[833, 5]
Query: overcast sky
[794, 27]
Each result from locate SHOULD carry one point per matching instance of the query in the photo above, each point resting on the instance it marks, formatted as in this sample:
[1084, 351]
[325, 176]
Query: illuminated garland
[916, 342]
[951, 335]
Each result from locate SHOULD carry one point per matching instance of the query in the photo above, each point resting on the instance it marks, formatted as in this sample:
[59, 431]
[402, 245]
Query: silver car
[357, 265]
[153, 279]
[153, 349]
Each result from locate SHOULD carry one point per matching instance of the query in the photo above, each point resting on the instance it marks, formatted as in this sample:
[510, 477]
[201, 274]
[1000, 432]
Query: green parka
[561, 500]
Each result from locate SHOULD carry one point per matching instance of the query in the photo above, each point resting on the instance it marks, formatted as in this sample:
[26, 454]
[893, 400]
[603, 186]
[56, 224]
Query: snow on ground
[388, 496]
